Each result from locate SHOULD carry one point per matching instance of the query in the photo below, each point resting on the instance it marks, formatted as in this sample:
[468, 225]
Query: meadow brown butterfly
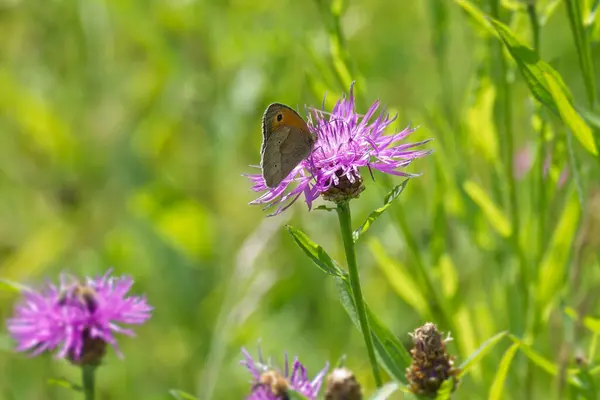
[286, 142]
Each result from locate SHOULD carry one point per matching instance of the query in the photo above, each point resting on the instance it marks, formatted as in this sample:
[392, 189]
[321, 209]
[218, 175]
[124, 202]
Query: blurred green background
[126, 126]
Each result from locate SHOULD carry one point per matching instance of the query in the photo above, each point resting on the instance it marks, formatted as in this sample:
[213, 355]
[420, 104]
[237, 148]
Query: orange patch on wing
[290, 118]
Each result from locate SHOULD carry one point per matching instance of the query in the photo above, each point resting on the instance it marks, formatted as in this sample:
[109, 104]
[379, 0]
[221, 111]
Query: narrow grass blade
[62, 382]
[583, 48]
[316, 253]
[492, 212]
[477, 16]
[484, 349]
[497, 388]
[591, 117]
[389, 198]
[553, 266]
[535, 357]
[12, 286]
[571, 118]
[531, 66]
[387, 390]
[181, 395]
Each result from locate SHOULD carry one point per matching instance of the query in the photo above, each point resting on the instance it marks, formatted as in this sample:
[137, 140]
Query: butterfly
[286, 142]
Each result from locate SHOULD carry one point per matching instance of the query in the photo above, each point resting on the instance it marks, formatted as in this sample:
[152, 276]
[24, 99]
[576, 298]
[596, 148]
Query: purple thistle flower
[345, 142]
[78, 318]
[270, 384]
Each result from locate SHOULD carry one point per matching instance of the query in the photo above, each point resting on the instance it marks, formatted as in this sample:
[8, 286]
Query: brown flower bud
[342, 385]
[431, 364]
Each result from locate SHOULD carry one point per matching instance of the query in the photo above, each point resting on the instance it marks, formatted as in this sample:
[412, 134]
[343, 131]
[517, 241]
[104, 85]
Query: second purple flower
[77, 318]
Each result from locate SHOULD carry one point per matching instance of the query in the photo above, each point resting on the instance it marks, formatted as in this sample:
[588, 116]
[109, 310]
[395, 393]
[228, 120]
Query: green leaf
[592, 347]
[571, 118]
[588, 391]
[476, 15]
[553, 266]
[536, 358]
[448, 276]
[325, 208]
[386, 391]
[445, 390]
[593, 324]
[12, 286]
[316, 253]
[485, 348]
[181, 395]
[494, 215]
[479, 120]
[62, 382]
[502, 372]
[390, 351]
[592, 118]
[389, 198]
[583, 47]
[531, 66]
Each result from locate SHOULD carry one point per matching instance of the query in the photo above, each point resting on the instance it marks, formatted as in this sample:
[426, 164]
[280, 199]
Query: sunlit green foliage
[126, 126]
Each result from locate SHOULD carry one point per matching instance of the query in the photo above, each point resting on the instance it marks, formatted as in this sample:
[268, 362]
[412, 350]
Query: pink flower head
[74, 314]
[296, 380]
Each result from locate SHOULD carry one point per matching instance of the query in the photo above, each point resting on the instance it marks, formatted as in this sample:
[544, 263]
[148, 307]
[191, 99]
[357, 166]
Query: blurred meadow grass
[126, 126]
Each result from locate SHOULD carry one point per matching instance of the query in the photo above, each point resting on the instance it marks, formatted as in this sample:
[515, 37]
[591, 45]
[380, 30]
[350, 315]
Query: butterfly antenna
[370, 171]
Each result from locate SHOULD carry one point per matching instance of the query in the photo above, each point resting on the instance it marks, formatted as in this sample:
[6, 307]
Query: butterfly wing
[270, 162]
[294, 149]
[267, 120]
[285, 148]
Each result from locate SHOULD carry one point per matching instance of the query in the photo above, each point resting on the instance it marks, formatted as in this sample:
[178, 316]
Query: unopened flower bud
[342, 385]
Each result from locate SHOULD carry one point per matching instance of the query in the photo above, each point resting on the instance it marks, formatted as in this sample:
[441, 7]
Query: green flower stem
[343, 210]
[88, 377]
